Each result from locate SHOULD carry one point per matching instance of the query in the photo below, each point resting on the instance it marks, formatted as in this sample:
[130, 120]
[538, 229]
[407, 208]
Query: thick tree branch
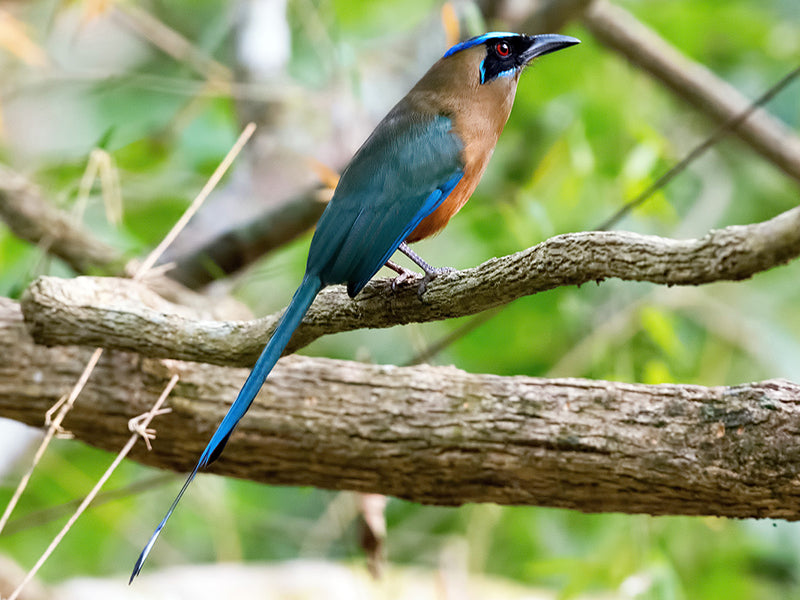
[121, 315]
[440, 435]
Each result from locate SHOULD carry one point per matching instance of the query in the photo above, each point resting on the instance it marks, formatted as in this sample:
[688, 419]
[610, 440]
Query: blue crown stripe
[480, 39]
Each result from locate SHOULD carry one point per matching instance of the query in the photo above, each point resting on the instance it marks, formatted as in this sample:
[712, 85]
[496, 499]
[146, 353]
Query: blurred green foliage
[588, 131]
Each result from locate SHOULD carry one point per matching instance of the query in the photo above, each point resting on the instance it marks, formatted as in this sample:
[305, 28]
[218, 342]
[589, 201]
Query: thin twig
[55, 425]
[54, 513]
[718, 134]
[141, 423]
[143, 269]
[198, 201]
[438, 346]
[615, 27]
[171, 42]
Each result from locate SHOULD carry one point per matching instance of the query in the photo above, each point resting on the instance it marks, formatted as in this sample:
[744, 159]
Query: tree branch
[544, 16]
[240, 246]
[622, 32]
[34, 219]
[440, 435]
[120, 314]
[619, 30]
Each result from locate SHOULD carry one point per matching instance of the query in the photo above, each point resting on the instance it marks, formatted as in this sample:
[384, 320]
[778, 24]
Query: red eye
[502, 49]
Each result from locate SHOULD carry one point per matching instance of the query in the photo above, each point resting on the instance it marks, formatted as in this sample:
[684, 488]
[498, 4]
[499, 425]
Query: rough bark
[440, 435]
[122, 315]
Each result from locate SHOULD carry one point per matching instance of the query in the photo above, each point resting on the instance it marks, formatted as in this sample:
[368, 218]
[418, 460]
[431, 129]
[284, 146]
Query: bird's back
[398, 177]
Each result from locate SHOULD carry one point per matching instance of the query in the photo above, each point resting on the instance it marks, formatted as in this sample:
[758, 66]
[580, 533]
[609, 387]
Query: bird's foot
[430, 274]
[403, 274]
[403, 277]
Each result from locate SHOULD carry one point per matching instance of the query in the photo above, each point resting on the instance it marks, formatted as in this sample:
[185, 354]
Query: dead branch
[440, 435]
[120, 314]
[36, 220]
[242, 245]
[32, 218]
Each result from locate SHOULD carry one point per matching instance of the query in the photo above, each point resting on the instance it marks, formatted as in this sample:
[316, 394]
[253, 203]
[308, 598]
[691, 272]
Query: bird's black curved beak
[545, 44]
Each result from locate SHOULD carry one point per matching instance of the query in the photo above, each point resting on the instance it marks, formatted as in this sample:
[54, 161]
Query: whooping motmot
[414, 172]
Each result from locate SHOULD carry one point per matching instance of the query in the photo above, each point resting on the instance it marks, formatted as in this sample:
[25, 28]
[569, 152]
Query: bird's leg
[403, 274]
[431, 272]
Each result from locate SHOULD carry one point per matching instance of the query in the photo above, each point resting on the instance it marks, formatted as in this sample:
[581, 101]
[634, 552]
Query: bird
[413, 173]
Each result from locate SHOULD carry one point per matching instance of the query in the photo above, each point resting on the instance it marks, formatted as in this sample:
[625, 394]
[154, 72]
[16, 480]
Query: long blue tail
[298, 307]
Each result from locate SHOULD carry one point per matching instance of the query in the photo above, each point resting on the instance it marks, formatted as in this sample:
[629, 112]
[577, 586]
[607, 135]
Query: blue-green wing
[401, 174]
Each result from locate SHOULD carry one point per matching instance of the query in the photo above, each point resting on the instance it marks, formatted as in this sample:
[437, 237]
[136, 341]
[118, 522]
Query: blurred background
[120, 111]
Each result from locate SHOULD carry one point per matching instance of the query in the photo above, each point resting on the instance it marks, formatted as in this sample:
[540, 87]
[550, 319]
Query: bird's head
[502, 54]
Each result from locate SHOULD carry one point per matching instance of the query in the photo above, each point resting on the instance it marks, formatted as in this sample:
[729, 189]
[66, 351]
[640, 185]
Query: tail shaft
[294, 313]
[297, 308]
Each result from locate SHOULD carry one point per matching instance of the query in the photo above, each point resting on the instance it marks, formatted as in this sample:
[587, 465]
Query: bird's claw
[402, 278]
[429, 276]
[403, 274]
